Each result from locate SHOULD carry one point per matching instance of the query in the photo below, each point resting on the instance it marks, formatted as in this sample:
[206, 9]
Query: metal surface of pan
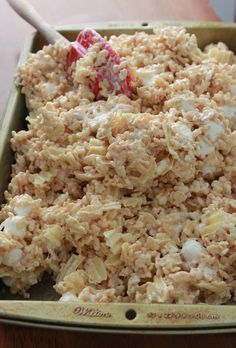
[43, 310]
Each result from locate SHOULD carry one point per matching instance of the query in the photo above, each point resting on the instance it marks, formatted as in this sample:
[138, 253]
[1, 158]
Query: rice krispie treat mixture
[126, 199]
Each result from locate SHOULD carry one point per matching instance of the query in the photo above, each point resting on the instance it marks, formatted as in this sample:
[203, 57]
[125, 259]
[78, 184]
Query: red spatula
[105, 73]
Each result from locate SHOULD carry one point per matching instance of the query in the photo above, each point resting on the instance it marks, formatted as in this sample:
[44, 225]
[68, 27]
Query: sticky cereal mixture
[126, 199]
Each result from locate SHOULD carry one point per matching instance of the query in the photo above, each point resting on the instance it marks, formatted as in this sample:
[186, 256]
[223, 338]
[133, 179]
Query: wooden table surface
[19, 337]
[12, 35]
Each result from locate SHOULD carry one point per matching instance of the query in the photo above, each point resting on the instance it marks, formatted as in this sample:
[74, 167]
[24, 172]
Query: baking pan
[42, 309]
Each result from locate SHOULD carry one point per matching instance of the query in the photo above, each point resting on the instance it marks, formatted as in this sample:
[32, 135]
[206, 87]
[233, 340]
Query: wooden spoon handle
[26, 11]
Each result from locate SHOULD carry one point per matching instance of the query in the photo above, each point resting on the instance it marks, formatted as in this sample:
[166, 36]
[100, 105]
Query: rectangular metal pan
[42, 309]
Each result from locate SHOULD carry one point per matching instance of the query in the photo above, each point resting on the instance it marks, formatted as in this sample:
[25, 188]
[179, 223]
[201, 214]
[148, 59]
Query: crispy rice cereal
[126, 199]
